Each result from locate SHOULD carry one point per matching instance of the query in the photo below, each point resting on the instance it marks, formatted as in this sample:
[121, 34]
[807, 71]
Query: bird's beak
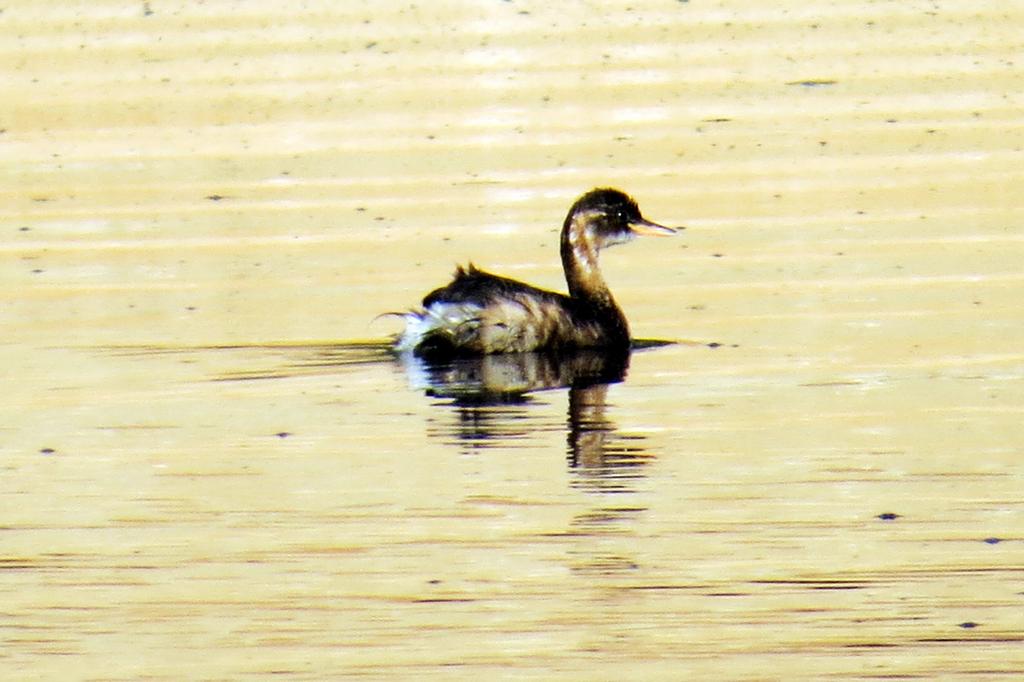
[647, 228]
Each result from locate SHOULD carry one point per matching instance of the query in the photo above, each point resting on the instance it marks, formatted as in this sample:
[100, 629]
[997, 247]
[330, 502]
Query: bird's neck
[582, 271]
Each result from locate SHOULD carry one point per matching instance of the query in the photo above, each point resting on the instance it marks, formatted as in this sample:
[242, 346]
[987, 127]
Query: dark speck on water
[818, 82]
[888, 516]
[967, 625]
[47, 451]
[992, 541]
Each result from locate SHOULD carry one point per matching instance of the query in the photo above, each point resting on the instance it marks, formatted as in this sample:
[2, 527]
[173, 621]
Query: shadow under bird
[479, 313]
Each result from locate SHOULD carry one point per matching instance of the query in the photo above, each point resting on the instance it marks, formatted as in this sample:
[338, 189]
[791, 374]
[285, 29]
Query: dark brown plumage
[481, 313]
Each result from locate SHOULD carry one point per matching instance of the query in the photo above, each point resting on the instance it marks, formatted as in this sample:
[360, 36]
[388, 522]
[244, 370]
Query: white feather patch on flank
[439, 316]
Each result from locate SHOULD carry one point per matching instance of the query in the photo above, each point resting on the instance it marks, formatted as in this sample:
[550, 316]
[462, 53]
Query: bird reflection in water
[490, 396]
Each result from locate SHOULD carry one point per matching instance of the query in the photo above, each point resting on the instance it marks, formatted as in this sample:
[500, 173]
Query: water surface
[214, 468]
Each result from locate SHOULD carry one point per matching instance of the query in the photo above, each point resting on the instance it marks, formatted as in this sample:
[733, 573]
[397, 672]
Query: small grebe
[480, 313]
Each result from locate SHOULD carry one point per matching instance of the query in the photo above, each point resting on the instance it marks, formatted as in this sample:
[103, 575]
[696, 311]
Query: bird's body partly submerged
[479, 313]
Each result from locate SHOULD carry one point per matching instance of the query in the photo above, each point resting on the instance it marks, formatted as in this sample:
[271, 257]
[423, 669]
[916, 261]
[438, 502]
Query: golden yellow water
[203, 206]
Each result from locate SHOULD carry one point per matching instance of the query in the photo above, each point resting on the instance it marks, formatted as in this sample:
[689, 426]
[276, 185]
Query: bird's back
[478, 312]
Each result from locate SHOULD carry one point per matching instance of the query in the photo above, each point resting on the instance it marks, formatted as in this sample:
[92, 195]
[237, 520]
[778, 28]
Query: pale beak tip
[653, 229]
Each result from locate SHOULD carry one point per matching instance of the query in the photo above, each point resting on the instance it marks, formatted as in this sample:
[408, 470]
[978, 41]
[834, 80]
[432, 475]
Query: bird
[479, 313]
